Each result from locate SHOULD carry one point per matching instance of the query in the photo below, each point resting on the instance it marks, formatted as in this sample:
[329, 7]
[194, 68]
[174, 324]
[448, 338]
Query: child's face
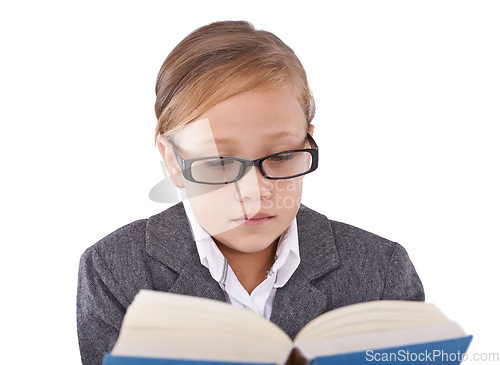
[249, 123]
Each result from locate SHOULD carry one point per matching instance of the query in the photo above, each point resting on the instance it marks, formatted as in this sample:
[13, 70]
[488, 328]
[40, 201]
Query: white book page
[379, 340]
[370, 317]
[167, 325]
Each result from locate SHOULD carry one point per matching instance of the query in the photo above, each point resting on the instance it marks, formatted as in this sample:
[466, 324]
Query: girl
[234, 130]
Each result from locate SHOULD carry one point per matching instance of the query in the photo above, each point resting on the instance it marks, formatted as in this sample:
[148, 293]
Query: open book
[164, 328]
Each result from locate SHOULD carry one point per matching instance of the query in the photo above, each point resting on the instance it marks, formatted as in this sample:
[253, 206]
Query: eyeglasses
[226, 170]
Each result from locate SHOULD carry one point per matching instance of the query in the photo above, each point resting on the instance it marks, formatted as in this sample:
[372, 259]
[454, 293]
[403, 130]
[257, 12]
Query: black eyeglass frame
[185, 164]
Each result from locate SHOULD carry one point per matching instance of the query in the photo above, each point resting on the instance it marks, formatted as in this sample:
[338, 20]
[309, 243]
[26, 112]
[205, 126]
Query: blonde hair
[220, 60]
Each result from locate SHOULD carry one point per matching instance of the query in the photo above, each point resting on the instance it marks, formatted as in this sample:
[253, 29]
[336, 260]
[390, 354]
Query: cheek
[286, 196]
[209, 202]
[291, 188]
[204, 194]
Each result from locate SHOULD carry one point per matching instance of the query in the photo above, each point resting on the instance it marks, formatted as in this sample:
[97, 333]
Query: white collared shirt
[261, 299]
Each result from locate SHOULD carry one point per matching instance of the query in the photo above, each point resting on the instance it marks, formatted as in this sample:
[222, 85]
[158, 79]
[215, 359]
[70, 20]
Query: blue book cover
[110, 359]
[447, 352]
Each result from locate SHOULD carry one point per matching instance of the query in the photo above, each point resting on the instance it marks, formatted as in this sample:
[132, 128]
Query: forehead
[251, 117]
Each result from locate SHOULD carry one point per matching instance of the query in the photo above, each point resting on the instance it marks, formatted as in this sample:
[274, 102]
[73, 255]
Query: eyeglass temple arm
[311, 140]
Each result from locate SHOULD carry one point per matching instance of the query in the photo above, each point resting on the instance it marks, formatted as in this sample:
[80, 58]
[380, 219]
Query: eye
[219, 163]
[283, 157]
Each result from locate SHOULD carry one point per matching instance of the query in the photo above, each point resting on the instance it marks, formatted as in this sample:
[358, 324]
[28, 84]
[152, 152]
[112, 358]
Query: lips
[256, 220]
[254, 217]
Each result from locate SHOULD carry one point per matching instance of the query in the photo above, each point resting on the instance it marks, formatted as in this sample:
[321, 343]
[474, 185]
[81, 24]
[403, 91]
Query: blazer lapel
[169, 239]
[196, 281]
[299, 301]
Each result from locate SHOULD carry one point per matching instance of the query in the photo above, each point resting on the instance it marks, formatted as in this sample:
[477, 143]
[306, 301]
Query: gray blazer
[340, 265]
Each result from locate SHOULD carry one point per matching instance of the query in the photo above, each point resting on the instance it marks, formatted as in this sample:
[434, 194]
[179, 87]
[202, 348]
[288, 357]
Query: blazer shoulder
[370, 267]
[346, 235]
[132, 237]
[122, 241]
[355, 241]
[347, 231]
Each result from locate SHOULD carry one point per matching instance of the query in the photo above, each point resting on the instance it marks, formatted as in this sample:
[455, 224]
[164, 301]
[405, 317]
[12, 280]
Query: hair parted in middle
[220, 60]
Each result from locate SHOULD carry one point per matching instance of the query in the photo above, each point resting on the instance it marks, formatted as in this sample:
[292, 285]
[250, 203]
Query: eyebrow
[269, 136]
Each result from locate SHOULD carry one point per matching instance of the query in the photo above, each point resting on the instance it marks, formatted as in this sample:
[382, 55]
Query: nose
[252, 185]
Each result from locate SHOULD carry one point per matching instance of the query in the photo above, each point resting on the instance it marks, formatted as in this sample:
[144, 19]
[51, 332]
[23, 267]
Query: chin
[251, 247]
[248, 248]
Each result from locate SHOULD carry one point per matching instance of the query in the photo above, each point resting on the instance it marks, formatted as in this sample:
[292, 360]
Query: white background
[407, 94]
